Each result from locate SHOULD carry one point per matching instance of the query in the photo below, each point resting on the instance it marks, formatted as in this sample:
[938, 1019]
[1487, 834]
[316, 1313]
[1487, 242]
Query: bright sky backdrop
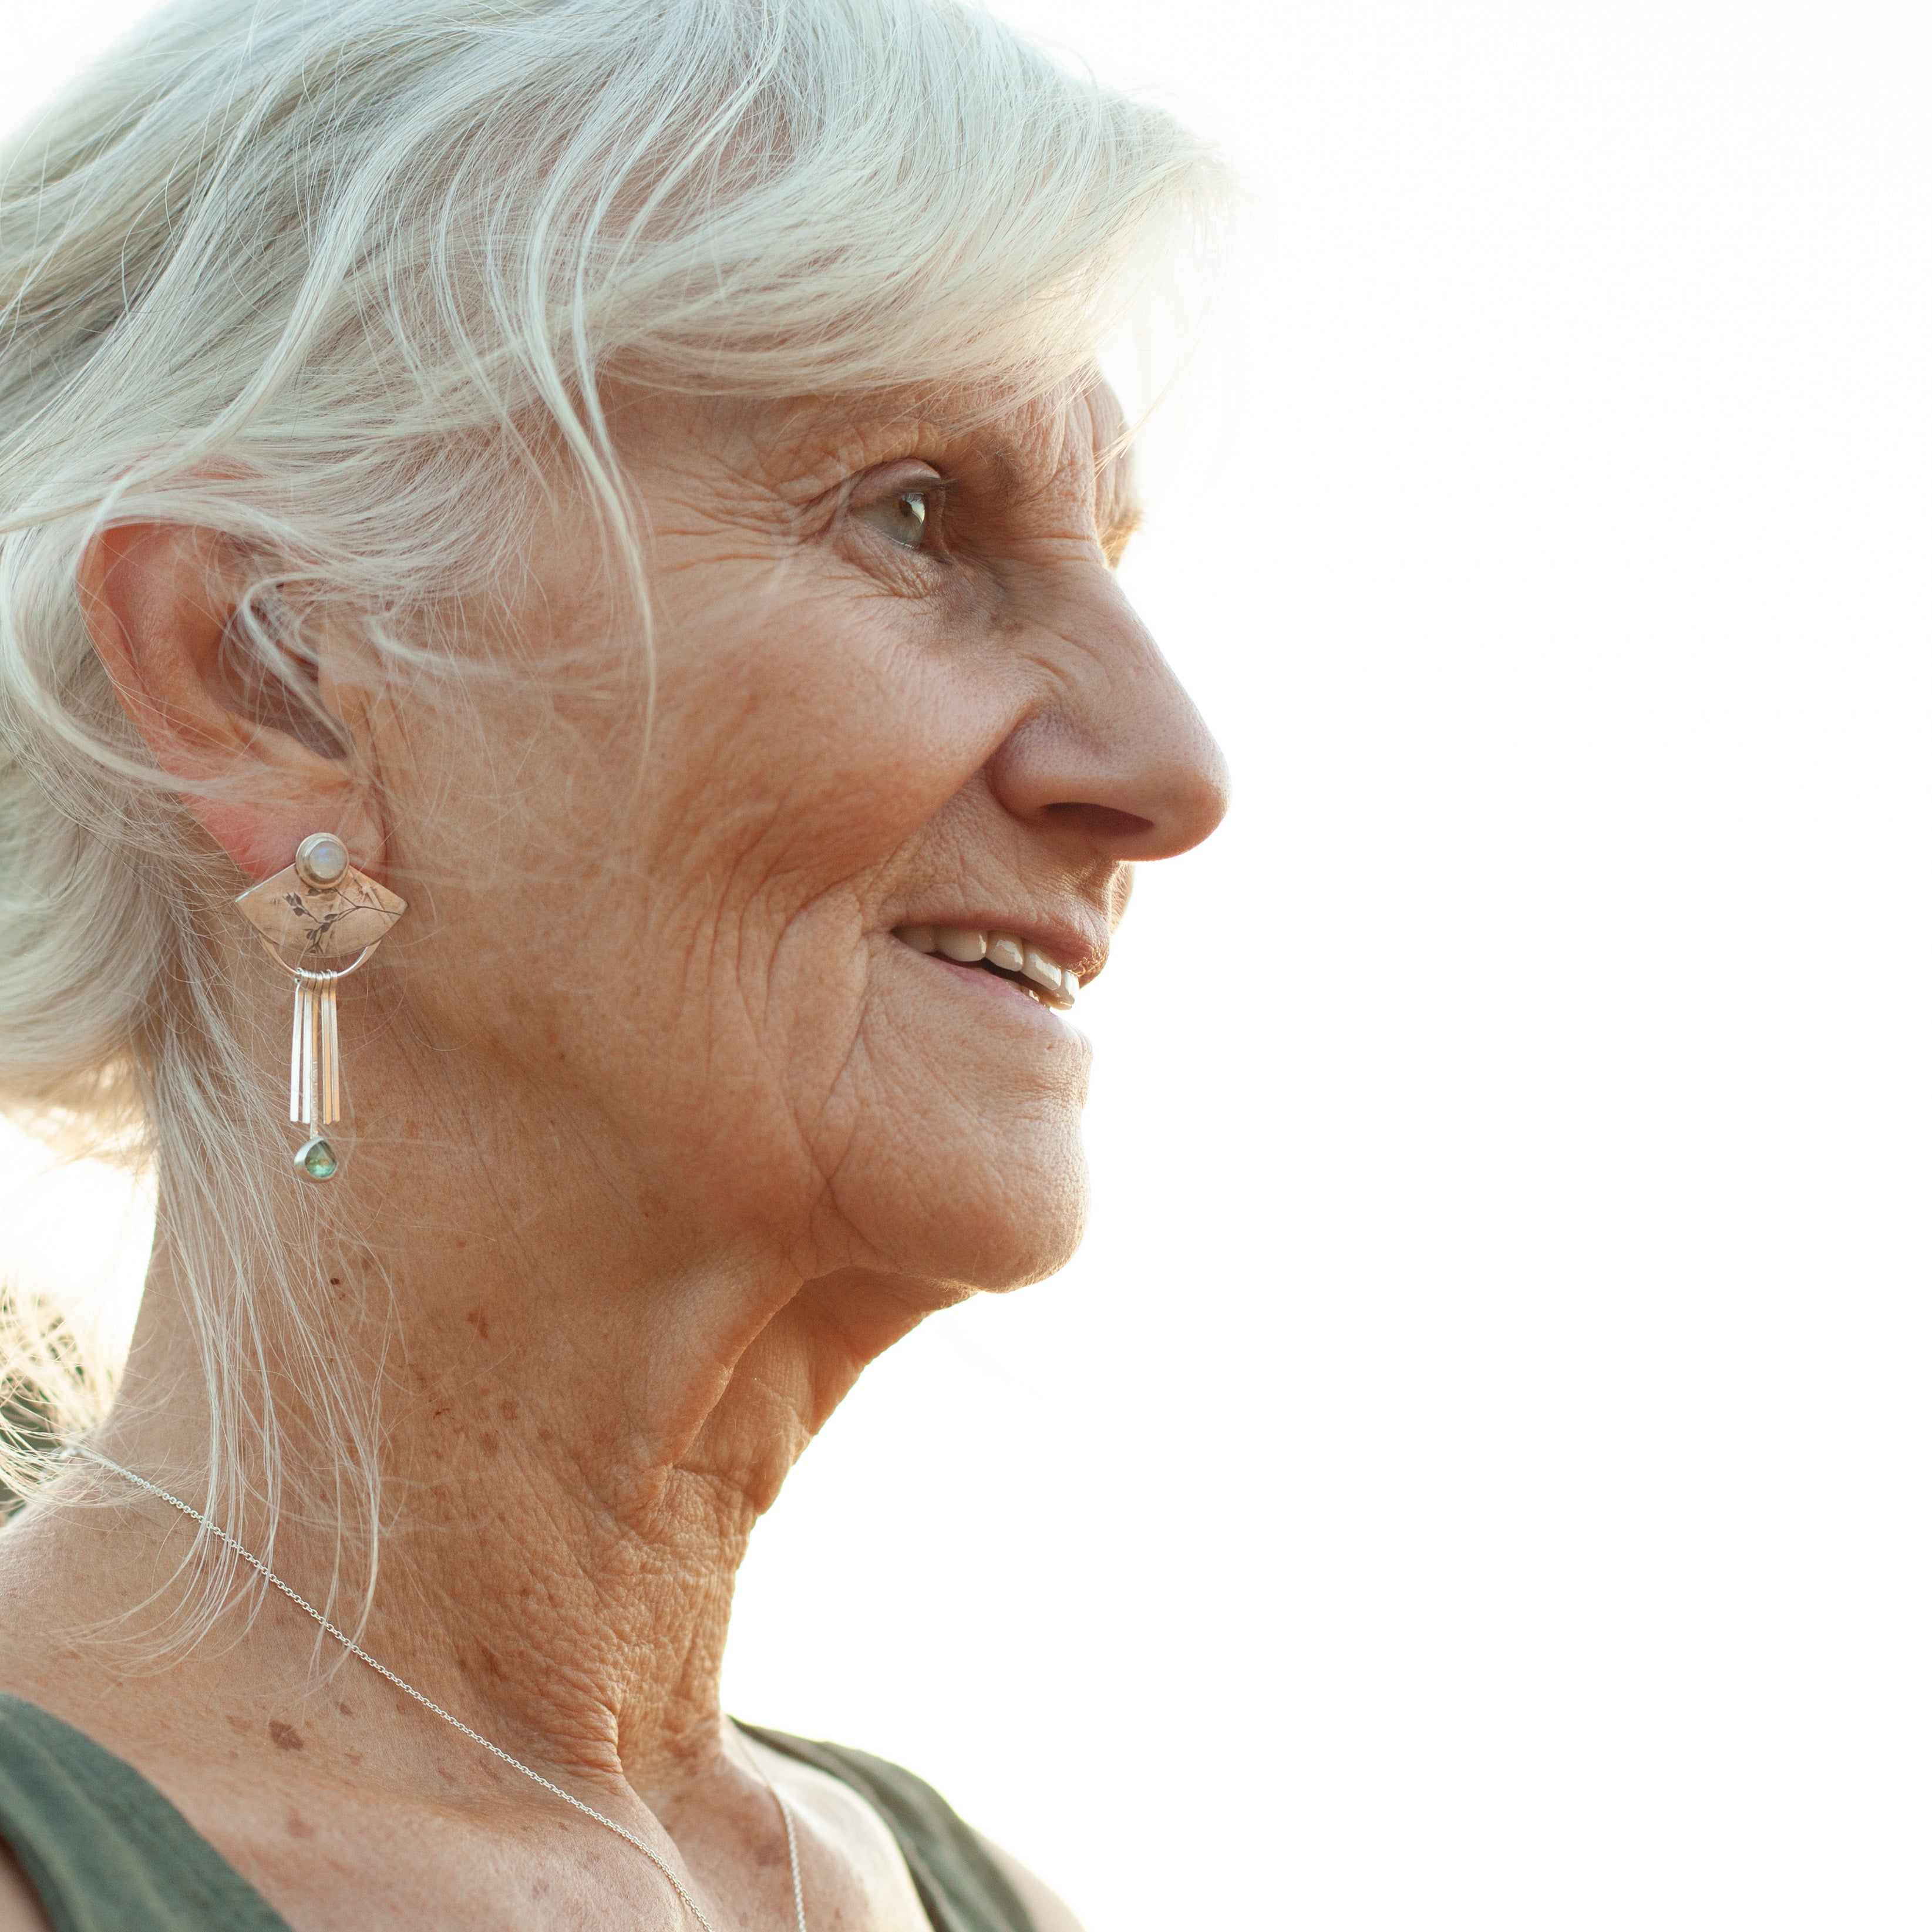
[1476, 1474]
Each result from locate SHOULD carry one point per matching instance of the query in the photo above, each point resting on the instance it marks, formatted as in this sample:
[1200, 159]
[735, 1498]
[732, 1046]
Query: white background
[1476, 1474]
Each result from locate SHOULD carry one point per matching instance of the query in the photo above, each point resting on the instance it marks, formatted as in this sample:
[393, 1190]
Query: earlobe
[160, 602]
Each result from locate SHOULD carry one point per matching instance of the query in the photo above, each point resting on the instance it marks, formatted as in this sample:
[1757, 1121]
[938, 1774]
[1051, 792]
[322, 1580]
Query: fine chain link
[361, 1656]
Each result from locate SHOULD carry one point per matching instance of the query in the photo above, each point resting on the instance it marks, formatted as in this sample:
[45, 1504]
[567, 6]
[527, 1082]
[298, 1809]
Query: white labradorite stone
[322, 859]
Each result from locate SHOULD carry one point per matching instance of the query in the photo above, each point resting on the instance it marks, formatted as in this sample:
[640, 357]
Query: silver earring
[322, 910]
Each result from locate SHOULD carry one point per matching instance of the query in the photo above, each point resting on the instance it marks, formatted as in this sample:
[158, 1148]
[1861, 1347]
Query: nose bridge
[1116, 747]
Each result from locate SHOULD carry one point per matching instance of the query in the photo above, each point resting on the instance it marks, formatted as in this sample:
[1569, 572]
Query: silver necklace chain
[361, 1656]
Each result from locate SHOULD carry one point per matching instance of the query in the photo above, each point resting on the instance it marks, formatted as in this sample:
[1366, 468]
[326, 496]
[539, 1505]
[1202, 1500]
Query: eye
[901, 516]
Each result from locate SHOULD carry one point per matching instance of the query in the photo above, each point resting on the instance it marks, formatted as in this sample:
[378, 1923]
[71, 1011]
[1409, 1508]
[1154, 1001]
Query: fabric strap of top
[107, 1852]
[960, 1886]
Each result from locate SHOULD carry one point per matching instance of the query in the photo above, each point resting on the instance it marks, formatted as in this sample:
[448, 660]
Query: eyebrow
[1118, 512]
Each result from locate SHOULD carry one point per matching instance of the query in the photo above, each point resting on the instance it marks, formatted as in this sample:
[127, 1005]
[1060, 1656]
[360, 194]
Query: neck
[575, 1443]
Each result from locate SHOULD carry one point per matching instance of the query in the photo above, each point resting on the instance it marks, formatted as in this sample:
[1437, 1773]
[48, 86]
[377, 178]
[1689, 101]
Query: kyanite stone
[317, 1161]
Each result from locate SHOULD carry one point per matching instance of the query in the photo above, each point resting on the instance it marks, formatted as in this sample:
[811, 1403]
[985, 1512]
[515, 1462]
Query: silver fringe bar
[295, 1039]
[332, 1058]
[315, 1054]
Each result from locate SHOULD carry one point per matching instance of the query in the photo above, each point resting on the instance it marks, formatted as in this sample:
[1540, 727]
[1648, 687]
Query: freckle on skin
[286, 1736]
[242, 1724]
[488, 1443]
[507, 1409]
[299, 1828]
[345, 1710]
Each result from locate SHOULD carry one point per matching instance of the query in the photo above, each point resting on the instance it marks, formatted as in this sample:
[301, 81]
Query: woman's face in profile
[897, 686]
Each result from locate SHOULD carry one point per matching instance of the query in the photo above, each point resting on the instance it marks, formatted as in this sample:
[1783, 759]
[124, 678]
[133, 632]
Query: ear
[161, 600]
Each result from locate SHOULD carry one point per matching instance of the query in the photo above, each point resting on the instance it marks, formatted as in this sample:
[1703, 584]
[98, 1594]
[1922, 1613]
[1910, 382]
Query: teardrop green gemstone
[317, 1161]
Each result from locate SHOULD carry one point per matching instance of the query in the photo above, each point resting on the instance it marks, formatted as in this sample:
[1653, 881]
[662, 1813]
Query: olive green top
[108, 1853]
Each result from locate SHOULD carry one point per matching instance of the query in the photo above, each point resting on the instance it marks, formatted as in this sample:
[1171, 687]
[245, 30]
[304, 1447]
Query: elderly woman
[570, 742]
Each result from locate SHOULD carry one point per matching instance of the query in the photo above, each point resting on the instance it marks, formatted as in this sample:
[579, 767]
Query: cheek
[823, 776]
[825, 736]
[689, 944]
[961, 1159]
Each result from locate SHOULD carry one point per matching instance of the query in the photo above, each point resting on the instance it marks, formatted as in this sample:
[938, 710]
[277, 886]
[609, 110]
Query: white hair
[326, 278]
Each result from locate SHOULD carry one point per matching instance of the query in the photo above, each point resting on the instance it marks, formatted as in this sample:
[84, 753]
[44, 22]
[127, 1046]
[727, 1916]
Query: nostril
[1102, 821]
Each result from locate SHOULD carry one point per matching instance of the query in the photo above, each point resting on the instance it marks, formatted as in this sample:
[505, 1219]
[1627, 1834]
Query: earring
[322, 909]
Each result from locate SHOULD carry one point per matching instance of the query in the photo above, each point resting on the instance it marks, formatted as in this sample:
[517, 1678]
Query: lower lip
[978, 977]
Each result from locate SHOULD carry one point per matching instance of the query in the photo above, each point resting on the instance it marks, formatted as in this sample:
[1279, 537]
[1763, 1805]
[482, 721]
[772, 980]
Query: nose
[1114, 758]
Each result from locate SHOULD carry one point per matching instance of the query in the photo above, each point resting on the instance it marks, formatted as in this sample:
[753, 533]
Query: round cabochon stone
[322, 860]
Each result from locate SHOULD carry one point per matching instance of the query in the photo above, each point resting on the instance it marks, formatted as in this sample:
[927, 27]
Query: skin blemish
[478, 1320]
[299, 1827]
[285, 1736]
[241, 1724]
[507, 1409]
[488, 1443]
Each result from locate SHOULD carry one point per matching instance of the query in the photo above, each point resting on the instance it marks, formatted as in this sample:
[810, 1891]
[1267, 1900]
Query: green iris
[902, 517]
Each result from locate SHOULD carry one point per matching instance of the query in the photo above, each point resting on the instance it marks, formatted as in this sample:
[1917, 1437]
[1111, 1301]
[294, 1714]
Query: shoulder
[954, 1868]
[865, 1840]
[1049, 1911]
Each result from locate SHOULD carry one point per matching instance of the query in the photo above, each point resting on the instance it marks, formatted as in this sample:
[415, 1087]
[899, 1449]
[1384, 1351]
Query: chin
[984, 1225]
[1022, 1251]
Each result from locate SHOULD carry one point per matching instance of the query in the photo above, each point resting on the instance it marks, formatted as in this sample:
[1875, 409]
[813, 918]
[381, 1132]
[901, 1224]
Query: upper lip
[1070, 944]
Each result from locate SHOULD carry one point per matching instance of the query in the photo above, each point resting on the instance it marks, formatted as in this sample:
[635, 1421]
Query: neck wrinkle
[566, 1511]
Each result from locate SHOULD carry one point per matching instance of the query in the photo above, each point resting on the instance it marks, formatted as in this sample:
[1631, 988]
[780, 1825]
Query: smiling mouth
[1004, 955]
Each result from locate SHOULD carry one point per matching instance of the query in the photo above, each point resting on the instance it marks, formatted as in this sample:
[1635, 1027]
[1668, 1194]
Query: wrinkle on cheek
[1013, 1193]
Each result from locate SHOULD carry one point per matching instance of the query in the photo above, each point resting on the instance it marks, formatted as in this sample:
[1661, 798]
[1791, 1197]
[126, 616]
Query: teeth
[1041, 970]
[957, 942]
[1047, 981]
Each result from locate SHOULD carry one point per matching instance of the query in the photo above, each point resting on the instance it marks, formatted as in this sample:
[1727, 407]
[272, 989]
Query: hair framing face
[341, 281]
